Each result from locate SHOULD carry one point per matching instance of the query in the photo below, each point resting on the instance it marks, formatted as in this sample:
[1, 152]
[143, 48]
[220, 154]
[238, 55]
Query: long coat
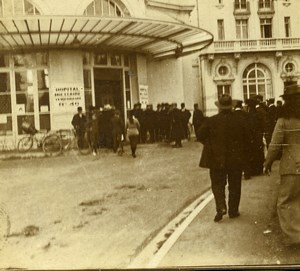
[176, 124]
[226, 140]
[286, 138]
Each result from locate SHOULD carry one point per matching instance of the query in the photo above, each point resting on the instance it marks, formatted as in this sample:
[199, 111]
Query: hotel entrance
[109, 88]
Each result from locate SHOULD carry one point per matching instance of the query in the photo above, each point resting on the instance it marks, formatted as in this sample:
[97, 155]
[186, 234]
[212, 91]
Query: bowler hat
[224, 102]
[291, 90]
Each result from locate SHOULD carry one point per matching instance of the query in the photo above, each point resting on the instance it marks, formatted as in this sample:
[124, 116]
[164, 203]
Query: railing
[255, 45]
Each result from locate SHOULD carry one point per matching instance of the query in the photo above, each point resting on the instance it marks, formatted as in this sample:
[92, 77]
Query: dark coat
[198, 118]
[226, 140]
[176, 124]
[271, 119]
[79, 123]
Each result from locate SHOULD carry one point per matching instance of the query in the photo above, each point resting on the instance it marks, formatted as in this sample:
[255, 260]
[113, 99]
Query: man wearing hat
[79, 124]
[226, 142]
[286, 140]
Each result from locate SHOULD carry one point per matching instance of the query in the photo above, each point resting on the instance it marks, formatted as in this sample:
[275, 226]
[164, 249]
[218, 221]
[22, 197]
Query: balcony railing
[255, 45]
[239, 9]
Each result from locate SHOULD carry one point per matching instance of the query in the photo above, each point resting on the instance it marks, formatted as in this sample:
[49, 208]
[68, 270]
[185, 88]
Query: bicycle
[49, 143]
[69, 140]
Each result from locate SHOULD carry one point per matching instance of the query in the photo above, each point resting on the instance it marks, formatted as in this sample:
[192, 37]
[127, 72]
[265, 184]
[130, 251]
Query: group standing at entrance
[106, 128]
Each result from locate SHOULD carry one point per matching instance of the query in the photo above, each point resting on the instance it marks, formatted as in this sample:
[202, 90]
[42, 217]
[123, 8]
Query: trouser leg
[234, 187]
[218, 183]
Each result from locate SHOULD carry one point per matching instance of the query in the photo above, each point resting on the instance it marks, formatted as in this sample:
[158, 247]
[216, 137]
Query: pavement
[107, 220]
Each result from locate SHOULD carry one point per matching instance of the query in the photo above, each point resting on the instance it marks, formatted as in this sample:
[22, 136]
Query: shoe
[218, 217]
[247, 177]
[133, 155]
[234, 215]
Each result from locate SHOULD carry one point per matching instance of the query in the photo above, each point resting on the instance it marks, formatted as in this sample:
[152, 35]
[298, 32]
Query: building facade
[58, 55]
[256, 48]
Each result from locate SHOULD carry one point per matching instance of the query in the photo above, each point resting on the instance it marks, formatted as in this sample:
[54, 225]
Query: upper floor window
[240, 4]
[264, 3]
[106, 8]
[241, 29]
[17, 7]
[221, 31]
[266, 28]
[287, 26]
[30, 9]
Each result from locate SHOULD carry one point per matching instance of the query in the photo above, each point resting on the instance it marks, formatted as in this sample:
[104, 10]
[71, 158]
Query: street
[101, 212]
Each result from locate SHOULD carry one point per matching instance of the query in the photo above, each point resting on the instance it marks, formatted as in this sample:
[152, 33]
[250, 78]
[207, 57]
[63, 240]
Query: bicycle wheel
[25, 144]
[85, 148]
[52, 145]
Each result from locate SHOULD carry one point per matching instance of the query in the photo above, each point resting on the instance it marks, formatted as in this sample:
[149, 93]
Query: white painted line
[155, 251]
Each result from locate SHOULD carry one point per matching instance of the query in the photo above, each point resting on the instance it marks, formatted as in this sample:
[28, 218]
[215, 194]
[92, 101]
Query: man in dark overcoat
[176, 126]
[226, 141]
[79, 124]
[244, 115]
[185, 118]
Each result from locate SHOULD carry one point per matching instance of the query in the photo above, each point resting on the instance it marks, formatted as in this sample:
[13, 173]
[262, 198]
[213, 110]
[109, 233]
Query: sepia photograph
[149, 134]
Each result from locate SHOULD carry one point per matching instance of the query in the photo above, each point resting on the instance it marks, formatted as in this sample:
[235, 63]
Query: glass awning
[157, 38]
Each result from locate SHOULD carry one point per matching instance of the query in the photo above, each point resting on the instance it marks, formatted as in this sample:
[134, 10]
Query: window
[221, 32]
[265, 4]
[289, 67]
[266, 28]
[87, 80]
[287, 26]
[240, 4]
[241, 29]
[32, 99]
[115, 60]
[101, 59]
[30, 9]
[257, 80]
[223, 70]
[23, 7]
[224, 89]
[106, 8]
[5, 93]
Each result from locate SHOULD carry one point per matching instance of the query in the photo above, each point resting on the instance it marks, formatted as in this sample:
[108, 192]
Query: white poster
[3, 119]
[66, 98]
[143, 95]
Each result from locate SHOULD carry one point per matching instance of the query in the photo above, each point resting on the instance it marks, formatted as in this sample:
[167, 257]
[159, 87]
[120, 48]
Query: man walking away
[226, 141]
[79, 124]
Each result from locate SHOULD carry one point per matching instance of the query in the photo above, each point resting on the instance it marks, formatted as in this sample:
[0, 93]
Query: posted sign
[143, 95]
[67, 98]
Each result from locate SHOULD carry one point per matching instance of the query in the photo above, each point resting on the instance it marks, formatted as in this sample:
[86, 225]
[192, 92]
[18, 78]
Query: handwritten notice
[143, 95]
[67, 98]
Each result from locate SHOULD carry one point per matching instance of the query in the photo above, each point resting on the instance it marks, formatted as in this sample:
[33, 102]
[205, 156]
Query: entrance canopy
[158, 38]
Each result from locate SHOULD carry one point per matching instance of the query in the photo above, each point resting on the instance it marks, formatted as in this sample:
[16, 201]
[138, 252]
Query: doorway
[109, 88]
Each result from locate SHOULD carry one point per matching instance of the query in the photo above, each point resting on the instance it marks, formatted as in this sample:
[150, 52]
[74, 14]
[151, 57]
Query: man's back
[228, 137]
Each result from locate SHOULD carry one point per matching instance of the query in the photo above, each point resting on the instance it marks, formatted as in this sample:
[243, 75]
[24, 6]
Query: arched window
[30, 9]
[108, 8]
[17, 7]
[257, 80]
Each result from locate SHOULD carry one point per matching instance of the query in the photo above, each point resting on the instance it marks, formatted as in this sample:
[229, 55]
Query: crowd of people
[233, 143]
[106, 128]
